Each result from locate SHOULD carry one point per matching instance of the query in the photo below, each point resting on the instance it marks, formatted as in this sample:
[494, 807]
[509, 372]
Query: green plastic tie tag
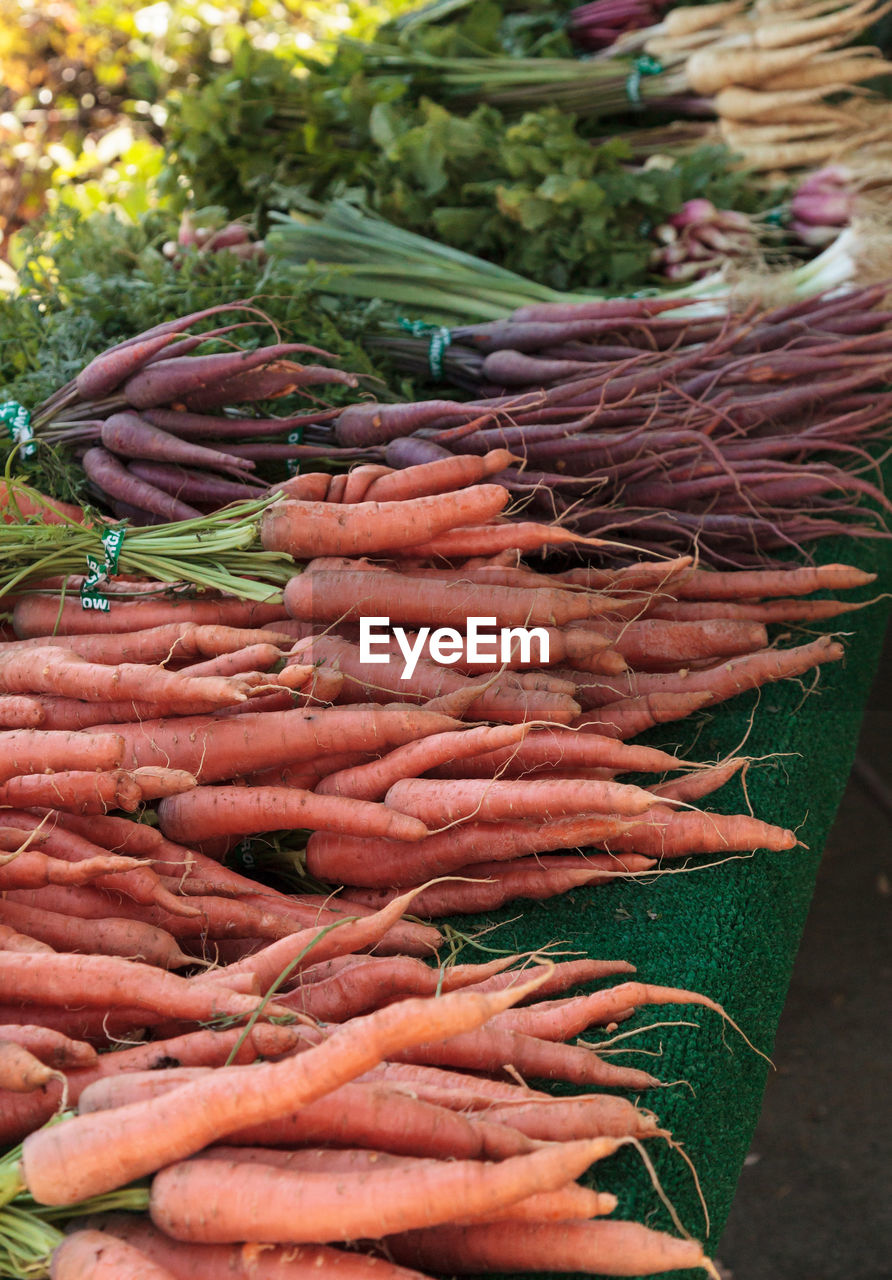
[440, 338]
[99, 571]
[292, 466]
[17, 421]
[646, 65]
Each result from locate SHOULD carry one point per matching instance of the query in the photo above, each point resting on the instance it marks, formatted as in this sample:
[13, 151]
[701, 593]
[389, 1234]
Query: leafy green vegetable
[87, 283]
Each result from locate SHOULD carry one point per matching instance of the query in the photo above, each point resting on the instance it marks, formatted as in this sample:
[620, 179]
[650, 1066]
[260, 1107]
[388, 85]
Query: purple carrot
[261, 451]
[170, 380]
[180, 423]
[623, 308]
[510, 368]
[368, 422]
[410, 451]
[130, 436]
[110, 476]
[110, 369]
[194, 486]
[281, 378]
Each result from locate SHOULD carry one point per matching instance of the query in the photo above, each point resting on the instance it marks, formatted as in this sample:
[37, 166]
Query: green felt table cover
[730, 931]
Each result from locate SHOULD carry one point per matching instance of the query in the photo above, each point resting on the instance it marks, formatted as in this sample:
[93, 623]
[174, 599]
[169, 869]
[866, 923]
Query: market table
[730, 931]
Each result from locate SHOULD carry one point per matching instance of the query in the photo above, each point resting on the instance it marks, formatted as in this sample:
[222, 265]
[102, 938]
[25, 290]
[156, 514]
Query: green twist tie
[776, 217]
[440, 338]
[99, 571]
[17, 421]
[644, 66]
[292, 466]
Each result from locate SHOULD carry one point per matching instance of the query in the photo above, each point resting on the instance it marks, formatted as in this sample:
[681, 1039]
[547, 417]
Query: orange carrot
[597, 1248]
[565, 1203]
[442, 802]
[140, 883]
[307, 529]
[360, 479]
[628, 717]
[372, 780]
[486, 886]
[373, 1114]
[564, 1119]
[74, 789]
[37, 615]
[347, 596]
[765, 611]
[51, 1048]
[351, 1206]
[494, 1048]
[721, 681]
[212, 811]
[558, 1020]
[94, 1255]
[85, 1156]
[106, 981]
[171, 641]
[440, 476]
[18, 502]
[702, 782]
[671, 833]
[374, 981]
[11, 940]
[110, 937]
[487, 539]
[312, 946]
[33, 751]
[309, 486]
[20, 1071]
[643, 576]
[156, 783]
[17, 711]
[504, 700]
[653, 645]
[259, 656]
[345, 859]
[560, 747]
[59, 671]
[197, 1048]
[214, 750]
[706, 584]
[32, 869]
[250, 1262]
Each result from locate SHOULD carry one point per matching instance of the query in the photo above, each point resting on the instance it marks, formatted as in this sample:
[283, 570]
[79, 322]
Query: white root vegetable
[711, 70]
[687, 20]
[738, 103]
[846, 22]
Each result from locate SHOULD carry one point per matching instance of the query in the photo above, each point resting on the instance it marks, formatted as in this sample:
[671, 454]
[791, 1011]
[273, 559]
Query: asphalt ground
[814, 1201]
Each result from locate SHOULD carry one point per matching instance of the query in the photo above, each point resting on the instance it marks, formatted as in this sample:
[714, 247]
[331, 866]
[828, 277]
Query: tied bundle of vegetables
[144, 416]
[613, 637]
[692, 426]
[44, 542]
[381, 1144]
[689, 58]
[700, 239]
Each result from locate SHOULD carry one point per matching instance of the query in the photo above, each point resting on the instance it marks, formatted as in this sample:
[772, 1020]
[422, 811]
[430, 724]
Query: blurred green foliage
[82, 107]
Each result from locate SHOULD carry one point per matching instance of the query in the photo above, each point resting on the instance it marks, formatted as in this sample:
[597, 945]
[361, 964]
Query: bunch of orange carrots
[288, 1068]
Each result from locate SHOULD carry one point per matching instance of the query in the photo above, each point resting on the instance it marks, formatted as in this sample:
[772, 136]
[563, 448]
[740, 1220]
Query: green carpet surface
[730, 931]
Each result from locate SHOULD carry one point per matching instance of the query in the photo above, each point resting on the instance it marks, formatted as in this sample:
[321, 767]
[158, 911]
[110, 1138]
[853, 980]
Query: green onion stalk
[344, 249]
[220, 552]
